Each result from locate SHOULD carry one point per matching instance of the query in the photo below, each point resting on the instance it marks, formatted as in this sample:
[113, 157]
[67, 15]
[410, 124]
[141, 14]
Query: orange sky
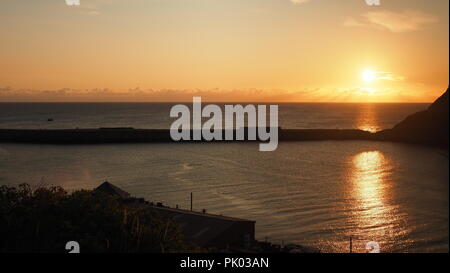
[224, 50]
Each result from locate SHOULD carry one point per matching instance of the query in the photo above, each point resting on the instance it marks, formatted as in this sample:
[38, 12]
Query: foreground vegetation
[46, 218]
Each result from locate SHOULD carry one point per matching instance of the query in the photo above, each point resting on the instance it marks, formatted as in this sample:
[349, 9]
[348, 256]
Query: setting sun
[369, 76]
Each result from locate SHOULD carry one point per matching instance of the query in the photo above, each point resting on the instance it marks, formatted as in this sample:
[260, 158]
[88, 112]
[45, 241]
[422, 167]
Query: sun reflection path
[368, 177]
[367, 119]
[372, 217]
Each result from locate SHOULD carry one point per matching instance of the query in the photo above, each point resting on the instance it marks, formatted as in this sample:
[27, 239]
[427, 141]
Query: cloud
[138, 94]
[400, 22]
[396, 22]
[91, 7]
[388, 76]
[411, 92]
[297, 2]
[352, 22]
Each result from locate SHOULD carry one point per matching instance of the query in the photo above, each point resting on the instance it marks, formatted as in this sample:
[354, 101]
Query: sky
[224, 50]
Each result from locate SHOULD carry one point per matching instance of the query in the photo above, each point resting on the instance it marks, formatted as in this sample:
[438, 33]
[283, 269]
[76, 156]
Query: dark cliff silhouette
[429, 127]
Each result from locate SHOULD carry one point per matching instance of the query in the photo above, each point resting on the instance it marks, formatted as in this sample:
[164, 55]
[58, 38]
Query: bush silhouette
[46, 218]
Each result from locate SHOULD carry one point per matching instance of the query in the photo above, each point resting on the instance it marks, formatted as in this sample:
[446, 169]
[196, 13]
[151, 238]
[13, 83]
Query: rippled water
[313, 193]
[371, 117]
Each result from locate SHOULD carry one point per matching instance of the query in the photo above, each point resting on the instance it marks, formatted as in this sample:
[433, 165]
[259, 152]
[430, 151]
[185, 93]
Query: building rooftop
[200, 228]
[109, 188]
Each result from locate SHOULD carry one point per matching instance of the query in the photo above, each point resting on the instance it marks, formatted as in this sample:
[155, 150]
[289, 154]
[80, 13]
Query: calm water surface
[312, 193]
[371, 117]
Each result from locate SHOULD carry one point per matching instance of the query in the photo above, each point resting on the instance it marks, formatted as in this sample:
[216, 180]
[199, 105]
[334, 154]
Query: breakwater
[131, 135]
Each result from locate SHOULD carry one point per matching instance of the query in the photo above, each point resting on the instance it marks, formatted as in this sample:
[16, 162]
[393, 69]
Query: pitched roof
[109, 188]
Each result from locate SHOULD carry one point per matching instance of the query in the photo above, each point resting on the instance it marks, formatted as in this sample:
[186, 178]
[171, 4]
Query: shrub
[46, 218]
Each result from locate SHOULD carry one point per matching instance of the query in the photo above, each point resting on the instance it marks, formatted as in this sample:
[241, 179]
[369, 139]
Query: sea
[317, 193]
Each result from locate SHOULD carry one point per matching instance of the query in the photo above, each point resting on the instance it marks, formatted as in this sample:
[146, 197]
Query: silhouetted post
[351, 244]
[191, 200]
